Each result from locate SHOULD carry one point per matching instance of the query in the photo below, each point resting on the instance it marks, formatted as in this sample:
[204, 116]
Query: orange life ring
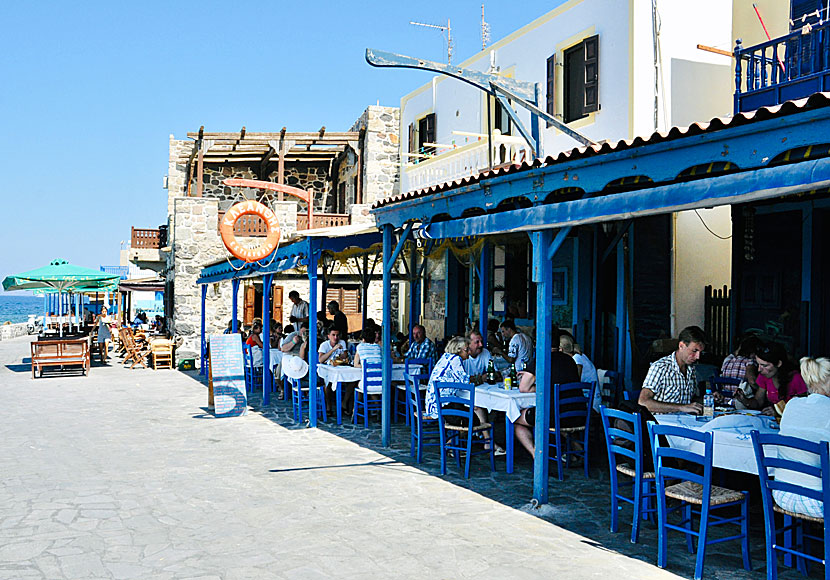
[250, 207]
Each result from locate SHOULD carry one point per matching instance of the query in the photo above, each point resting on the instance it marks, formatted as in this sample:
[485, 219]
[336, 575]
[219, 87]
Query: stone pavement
[123, 474]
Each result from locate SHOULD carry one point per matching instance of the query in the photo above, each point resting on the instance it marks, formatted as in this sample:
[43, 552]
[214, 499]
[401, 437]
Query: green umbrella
[61, 276]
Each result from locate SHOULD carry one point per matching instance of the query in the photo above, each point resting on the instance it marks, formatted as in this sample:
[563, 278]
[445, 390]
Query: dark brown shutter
[550, 107]
[351, 301]
[250, 305]
[412, 147]
[429, 136]
[591, 102]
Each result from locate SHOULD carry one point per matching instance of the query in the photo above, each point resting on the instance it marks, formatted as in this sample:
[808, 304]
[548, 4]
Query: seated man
[294, 340]
[421, 346]
[520, 346]
[329, 351]
[476, 364]
[671, 383]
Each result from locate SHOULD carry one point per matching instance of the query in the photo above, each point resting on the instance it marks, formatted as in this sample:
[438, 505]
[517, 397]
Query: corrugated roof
[815, 101]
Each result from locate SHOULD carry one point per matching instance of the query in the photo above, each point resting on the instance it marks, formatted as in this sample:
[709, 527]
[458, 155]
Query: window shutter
[591, 48]
[550, 107]
[412, 146]
[250, 305]
[430, 137]
[351, 301]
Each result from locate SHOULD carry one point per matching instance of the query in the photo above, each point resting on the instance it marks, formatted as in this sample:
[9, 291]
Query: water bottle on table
[708, 404]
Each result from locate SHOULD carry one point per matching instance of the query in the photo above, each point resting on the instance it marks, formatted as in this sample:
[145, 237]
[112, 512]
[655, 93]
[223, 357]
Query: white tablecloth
[348, 374]
[732, 443]
[496, 398]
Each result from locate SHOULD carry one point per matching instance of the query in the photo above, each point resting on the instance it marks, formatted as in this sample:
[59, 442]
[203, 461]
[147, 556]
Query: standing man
[520, 346]
[339, 320]
[421, 346]
[476, 364]
[299, 312]
[671, 383]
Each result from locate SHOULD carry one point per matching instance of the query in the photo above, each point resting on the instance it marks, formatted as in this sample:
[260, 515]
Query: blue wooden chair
[633, 395]
[253, 375]
[372, 384]
[423, 430]
[794, 523]
[642, 482]
[299, 398]
[718, 384]
[694, 489]
[612, 390]
[456, 435]
[572, 422]
[401, 407]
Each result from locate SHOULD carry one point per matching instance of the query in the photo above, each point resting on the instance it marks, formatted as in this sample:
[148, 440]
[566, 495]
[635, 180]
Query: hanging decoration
[237, 249]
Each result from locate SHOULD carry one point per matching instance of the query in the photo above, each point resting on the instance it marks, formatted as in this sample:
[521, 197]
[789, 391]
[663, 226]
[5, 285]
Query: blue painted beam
[386, 361]
[729, 189]
[749, 146]
[399, 247]
[266, 338]
[543, 276]
[202, 343]
[557, 242]
[484, 290]
[234, 305]
[313, 356]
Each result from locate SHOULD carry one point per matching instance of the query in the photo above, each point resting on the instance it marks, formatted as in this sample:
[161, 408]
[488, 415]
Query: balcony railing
[254, 227]
[322, 220]
[146, 239]
[785, 68]
[465, 161]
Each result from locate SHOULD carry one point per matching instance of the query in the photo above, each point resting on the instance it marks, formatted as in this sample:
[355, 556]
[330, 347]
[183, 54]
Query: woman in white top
[806, 418]
[104, 334]
[368, 350]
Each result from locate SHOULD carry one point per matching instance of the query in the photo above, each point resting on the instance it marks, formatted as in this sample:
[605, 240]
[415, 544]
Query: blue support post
[203, 343]
[234, 305]
[484, 291]
[543, 276]
[535, 122]
[414, 286]
[266, 339]
[386, 365]
[620, 312]
[313, 257]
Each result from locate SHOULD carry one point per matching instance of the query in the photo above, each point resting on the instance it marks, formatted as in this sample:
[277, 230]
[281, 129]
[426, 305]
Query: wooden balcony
[254, 227]
[322, 220]
[144, 239]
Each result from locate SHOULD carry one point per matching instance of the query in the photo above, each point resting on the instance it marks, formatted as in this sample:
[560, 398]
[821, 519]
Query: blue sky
[90, 92]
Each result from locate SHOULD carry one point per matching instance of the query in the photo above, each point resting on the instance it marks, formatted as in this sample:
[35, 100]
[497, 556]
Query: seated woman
[563, 370]
[449, 368]
[806, 418]
[778, 380]
[254, 340]
[369, 350]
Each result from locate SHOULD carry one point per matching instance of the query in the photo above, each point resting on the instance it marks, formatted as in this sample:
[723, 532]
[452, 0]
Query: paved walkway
[122, 474]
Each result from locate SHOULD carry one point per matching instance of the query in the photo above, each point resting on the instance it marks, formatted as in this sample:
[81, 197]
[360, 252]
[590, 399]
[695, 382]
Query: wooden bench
[59, 353]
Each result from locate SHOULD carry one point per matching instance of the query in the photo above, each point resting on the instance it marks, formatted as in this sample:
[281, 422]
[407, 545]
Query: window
[347, 297]
[426, 134]
[581, 80]
[502, 119]
[550, 105]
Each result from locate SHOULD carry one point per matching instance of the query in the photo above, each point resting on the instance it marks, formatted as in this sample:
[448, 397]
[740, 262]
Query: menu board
[227, 375]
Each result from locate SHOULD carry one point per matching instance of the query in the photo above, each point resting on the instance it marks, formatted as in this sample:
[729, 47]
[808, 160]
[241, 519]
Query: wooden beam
[715, 50]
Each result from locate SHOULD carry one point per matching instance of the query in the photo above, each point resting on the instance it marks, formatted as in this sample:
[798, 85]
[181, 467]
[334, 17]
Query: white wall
[700, 259]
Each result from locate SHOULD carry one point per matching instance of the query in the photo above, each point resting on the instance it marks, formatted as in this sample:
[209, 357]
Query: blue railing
[123, 271]
[785, 68]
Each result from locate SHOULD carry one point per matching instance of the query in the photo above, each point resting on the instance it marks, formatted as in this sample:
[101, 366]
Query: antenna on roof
[485, 30]
[444, 29]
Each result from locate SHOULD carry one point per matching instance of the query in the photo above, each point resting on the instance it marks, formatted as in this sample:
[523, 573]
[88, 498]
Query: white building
[611, 70]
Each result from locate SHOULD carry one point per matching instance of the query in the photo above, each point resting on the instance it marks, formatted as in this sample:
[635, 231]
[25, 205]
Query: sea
[18, 308]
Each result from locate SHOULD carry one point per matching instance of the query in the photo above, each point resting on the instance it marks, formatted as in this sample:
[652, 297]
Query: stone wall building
[346, 172]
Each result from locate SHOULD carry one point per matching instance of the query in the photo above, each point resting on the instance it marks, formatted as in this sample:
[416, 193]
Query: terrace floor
[123, 474]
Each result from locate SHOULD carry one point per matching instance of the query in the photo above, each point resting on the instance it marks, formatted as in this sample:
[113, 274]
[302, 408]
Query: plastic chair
[457, 436]
[253, 375]
[793, 521]
[572, 421]
[693, 489]
[642, 482]
[372, 384]
[422, 429]
[401, 407]
[299, 397]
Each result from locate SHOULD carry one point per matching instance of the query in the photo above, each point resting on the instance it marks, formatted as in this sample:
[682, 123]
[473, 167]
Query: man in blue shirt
[421, 346]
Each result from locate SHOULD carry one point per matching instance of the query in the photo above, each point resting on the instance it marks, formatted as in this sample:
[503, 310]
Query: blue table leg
[509, 443]
[339, 389]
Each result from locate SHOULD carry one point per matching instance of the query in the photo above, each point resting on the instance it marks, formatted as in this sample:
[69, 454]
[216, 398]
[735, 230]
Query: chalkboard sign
[227, 375]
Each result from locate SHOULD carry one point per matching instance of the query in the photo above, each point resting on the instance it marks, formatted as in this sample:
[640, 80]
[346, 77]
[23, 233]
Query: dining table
[335, 375]
[732, 443]
[496, 398]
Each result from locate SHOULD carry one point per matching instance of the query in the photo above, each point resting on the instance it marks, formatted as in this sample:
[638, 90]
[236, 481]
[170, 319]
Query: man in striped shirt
[671, 383]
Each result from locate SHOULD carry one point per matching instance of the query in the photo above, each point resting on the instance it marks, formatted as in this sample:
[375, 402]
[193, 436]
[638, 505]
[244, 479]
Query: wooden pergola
[259, 150]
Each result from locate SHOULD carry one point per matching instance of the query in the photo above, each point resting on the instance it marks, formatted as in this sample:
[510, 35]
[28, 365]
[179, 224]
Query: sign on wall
[227, 375]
